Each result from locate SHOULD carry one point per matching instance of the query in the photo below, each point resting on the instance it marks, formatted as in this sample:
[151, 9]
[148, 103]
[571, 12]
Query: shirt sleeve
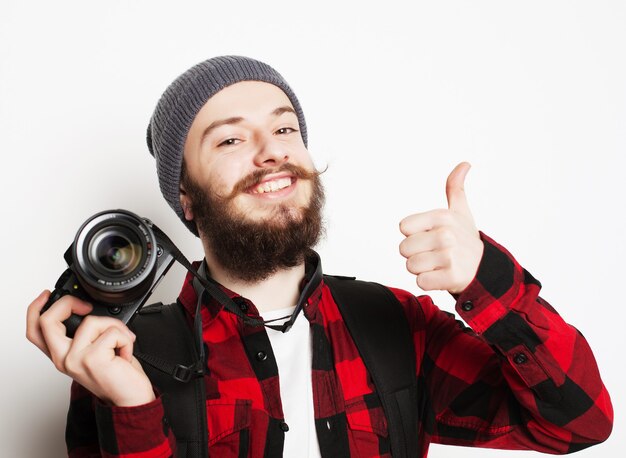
[520, 378]
[95, 429]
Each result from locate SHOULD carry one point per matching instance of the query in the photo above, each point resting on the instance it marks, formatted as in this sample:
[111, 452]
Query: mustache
[257, 177]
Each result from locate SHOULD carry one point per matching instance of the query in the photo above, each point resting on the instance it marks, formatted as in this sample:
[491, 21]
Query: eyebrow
[284, 109]
[220, 122]
[237, 119]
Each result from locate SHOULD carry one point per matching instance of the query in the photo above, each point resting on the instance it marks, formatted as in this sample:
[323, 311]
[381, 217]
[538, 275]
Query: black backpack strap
[377, 323]
[163, 330]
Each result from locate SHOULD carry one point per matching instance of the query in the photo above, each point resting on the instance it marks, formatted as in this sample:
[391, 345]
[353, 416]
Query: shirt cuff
[495, 287]
[137, 429]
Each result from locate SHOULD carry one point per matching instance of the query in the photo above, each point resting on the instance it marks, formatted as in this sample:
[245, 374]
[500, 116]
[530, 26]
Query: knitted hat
[181, 102]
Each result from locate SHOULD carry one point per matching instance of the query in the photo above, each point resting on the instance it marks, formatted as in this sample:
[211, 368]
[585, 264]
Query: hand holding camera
[99, 357]
[114, 264]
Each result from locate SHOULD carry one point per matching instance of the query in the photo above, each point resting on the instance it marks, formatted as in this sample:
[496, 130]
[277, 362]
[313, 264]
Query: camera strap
[214, 290]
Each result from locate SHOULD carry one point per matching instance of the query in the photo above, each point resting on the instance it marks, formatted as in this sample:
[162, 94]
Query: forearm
[523, 378]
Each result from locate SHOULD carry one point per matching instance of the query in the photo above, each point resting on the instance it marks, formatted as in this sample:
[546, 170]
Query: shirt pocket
[228, 422]
[367, 426]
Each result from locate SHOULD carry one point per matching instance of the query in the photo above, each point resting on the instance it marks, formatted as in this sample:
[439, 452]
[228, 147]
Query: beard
[252, 250]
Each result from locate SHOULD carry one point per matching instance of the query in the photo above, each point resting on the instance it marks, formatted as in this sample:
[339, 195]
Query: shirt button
[467, 306]
[520, 358]
[284, 426]
[261, 356]
[241, 302]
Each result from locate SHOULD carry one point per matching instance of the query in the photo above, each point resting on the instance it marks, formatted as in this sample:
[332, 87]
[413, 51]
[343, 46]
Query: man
[229, 138]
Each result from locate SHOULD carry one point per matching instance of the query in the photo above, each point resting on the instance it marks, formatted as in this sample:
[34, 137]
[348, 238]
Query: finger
[435, 239]
[33, 330]
[53, 329]
[432, 280]
[93, 327]
[114, 341]
[63, 308]
[89, 365]
[124, 341]
[88, 359]
[455, 189]
[126, 352]
[426, 221]
[426, 262]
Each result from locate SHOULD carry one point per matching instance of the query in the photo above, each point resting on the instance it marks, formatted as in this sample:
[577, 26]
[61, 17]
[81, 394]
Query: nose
[270, 153]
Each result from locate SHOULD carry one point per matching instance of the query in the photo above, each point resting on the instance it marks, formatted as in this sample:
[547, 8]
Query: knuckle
[111, 322]
[117, 328]
[59, 363]
[65, 301]
[444, 216]
[403, 226]
[89, 320]
[45, 319]
[71, 365]
[422, 282]
[403, 248]
[421, 263]
[446, 236]
[89, 364]
[440, 212]
[113, 331]
[31, 307]
[447, 258]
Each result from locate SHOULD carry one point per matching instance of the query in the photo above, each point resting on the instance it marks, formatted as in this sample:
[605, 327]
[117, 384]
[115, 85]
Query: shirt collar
[310, 291]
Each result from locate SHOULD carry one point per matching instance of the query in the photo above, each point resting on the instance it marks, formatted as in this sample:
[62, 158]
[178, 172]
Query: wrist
[135, 398]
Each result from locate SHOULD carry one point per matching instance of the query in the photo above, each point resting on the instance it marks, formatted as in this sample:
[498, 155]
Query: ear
[185, 202]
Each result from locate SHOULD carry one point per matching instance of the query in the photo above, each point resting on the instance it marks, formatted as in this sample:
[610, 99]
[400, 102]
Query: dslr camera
[115, 262]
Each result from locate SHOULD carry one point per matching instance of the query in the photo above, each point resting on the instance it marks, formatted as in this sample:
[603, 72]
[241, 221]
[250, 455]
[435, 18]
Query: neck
[280, 290]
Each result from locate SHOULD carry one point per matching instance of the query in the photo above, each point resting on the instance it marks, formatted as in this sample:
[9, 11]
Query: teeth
[272, 186]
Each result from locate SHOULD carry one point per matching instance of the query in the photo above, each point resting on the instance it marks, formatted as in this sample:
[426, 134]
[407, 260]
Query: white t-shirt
[292, 350]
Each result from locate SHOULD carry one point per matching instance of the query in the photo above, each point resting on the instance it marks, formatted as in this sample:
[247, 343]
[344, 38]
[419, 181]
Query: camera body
[115, 262]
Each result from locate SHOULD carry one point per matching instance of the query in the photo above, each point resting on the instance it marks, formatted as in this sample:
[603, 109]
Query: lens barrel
[115, 254]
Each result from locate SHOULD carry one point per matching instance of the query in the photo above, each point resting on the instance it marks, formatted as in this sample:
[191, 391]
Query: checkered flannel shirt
[518, 378]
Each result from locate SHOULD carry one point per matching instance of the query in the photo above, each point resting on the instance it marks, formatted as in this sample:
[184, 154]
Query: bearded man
[229, 139]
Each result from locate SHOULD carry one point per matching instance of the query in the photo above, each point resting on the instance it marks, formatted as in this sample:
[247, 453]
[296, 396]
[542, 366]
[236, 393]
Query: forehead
[244, 99]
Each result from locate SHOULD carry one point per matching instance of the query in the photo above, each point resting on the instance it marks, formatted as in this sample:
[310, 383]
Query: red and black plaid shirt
[522, 379]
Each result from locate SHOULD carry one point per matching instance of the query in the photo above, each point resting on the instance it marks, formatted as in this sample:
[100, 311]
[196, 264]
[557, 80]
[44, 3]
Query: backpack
[374, 318]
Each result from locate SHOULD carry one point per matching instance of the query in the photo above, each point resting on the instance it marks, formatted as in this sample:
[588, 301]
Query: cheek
[303, 158]
[225, 174]
[307, 190]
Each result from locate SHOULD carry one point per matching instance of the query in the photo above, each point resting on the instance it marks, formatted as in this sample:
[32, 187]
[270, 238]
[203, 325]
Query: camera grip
[72, 323]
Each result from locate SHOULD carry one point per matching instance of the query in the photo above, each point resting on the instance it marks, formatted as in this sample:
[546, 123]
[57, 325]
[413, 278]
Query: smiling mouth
[272, 185]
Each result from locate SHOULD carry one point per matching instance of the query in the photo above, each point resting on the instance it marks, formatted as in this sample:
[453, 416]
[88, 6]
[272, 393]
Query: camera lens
[115, 256]
[115, 252]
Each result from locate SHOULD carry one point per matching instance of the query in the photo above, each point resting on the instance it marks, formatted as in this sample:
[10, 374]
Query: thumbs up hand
[443, 247]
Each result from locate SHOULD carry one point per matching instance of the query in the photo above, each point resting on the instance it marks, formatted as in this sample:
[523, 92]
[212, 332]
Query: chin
[269, 210]
[278, 216]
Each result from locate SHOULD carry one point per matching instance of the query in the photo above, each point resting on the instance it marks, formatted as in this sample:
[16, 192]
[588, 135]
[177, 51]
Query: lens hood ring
[95, 276]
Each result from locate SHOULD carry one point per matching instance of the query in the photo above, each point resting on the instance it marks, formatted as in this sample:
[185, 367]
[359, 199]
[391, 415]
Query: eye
[230, 142]
[285, 131]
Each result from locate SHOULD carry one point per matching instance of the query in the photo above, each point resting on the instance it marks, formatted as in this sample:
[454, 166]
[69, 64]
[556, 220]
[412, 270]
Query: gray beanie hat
[181, 102]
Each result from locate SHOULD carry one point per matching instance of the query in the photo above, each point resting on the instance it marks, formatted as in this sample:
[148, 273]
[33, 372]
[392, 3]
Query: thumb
[455, 189]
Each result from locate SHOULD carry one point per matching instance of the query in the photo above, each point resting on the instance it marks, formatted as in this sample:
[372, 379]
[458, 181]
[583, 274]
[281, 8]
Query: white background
[532, 93]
